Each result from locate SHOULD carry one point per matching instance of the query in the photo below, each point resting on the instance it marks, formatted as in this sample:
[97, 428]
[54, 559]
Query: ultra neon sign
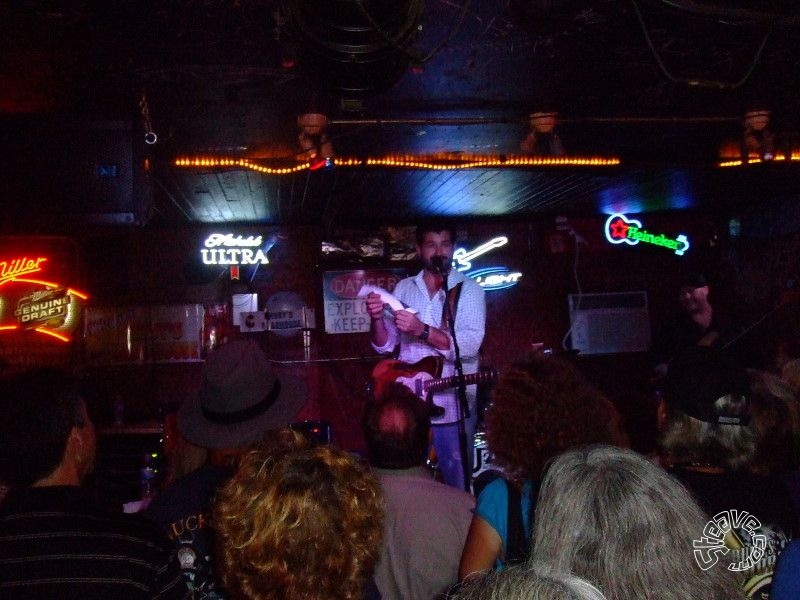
[229, 249]
[620, 229]
[490, 278]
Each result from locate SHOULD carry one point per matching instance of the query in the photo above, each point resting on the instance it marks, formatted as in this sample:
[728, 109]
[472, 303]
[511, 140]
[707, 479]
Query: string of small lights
[795, 156]
[403, 162]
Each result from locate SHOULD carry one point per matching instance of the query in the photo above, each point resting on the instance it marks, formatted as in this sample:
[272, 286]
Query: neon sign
[496, 278]
[620, 229]
[10, 269]
[47, 306]
[53, 311]
[489, 278]
[463, 258]
[229, 249]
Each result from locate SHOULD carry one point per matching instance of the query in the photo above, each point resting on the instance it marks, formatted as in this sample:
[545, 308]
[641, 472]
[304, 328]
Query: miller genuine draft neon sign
[51, 309]
[620, 229]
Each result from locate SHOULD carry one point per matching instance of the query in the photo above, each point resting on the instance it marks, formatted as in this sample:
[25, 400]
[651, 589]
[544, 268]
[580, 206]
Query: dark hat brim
[197, 429]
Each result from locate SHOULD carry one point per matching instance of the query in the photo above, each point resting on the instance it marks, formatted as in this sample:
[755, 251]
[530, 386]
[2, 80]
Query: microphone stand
[463, 404]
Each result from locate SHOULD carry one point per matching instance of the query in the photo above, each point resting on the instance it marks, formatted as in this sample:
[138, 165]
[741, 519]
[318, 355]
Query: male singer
[427, 333]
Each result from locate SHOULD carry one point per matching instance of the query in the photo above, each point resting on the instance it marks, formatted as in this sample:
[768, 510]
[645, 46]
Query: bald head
[393, 421]
[397, 429]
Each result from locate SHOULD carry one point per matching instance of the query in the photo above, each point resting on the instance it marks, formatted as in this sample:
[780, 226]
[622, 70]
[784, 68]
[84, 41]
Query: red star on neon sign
[619, 229]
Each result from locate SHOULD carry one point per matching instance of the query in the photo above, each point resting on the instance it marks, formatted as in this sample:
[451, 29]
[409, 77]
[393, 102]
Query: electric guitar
[423, 377]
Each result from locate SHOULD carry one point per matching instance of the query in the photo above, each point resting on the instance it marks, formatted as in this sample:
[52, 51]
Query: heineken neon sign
[620, 229]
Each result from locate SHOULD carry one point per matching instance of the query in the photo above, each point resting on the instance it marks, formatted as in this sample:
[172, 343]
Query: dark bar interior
[178, 175]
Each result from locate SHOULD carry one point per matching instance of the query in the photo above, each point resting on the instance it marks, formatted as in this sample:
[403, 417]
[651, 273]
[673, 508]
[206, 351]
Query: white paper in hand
[387, 298]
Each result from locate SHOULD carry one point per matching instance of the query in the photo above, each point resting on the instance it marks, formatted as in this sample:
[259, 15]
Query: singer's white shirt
[469, 325]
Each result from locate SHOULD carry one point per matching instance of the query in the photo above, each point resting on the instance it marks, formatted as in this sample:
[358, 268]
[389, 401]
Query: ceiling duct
[355, 47]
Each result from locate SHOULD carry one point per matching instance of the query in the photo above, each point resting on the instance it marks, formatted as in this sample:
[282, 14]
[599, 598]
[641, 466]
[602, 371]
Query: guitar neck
[435, 385]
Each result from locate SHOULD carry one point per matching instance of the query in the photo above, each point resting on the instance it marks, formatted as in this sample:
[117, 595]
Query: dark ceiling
[660, 84]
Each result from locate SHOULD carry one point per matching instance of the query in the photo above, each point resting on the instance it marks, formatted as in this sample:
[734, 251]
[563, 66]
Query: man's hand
[408, 322]
[374, 306]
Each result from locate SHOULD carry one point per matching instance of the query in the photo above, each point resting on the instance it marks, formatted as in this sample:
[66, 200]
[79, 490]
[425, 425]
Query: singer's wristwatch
[425, 333]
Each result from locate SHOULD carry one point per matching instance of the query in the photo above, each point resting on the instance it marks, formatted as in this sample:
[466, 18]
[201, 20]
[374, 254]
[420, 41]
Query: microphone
[440, 265]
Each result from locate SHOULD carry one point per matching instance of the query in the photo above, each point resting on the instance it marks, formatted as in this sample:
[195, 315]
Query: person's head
[612, 517]
[790, 373]
[693, 293]
[706, 410]
[239, 399]
[539, 409]
[397, 429]
[525, 582]
[435, 243]
[298, 522]
[775, 423]
[44, 429]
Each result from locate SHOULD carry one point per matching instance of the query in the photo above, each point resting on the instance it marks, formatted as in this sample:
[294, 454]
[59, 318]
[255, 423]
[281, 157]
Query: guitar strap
[453, 294]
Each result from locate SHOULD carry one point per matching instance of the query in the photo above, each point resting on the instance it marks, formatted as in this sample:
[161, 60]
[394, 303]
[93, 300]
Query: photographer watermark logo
[740, 524]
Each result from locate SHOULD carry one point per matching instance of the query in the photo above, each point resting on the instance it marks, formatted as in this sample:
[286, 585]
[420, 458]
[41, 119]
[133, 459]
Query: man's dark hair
[397, 429]
[38, 409]
[434, 227]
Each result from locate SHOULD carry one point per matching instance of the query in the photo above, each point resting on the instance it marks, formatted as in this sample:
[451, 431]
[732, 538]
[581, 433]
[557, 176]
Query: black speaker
[73, 172]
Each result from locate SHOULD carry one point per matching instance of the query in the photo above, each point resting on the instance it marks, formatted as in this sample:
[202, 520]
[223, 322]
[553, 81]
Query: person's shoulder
[792, 550]
[469, 282]
[496, 489]
[466, 282]
[456, 496]
[193, 491]
[404, 284]
[406, 281]
[135, 527]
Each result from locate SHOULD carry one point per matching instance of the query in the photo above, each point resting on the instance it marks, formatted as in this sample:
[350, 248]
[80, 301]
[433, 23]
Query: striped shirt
[469, 325]
[54, 543]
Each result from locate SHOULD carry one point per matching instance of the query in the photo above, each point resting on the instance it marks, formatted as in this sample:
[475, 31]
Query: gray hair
[686, 439]
[526, 582]
[610, 516]
[775, 423]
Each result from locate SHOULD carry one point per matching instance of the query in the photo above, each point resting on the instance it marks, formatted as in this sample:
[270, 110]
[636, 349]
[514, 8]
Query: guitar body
[413, 376]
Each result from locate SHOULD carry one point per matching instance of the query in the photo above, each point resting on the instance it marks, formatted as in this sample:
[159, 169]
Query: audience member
[776, 424]
[612, 517]
[302, 524]
[523, 582]
[786, 354]
[426, 521]
[711, 432]
[240, 398]
[539, 409]
[55, 542]
[786, 583]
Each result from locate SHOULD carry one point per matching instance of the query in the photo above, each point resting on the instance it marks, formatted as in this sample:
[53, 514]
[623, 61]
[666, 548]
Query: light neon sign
[53, 311]
[229, 249]
[496, 278]
[463, 258]
[11, 269]
[489, 278]
[620, 229]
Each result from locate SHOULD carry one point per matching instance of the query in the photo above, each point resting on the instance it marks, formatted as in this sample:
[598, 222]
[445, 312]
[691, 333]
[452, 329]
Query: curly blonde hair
[298, 521]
